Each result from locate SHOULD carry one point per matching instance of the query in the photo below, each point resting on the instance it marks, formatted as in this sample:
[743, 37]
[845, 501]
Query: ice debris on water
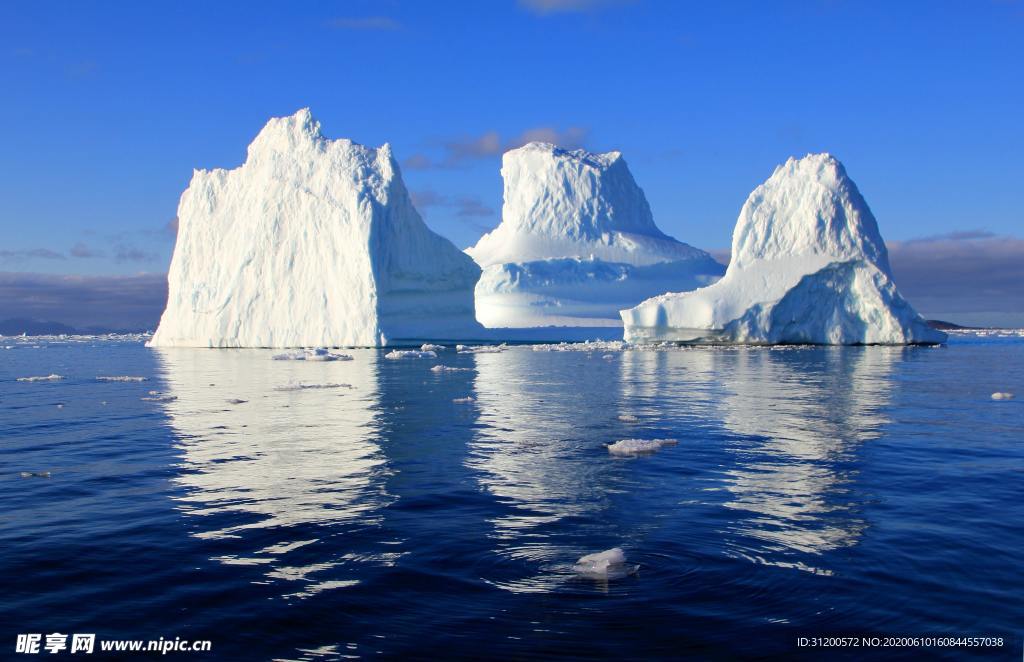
[427, 347]
[480, 349]
[308, 387]
[396, 354]
[466, 400]
[629, 447]
[35, 474]
[585, 346]
[119, 378]
[448, 368]
[318, 354]
[45, 378]
[999, 395]
[609, 564]
[628, 418]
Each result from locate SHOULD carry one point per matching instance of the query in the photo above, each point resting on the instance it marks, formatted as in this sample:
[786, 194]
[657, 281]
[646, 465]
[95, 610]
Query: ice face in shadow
[801, 417]
[269, 468]
[808, 266]
[310, 242]
[577, 242]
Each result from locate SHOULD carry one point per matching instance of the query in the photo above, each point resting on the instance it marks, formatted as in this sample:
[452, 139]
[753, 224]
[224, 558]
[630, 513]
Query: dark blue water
[813, 491]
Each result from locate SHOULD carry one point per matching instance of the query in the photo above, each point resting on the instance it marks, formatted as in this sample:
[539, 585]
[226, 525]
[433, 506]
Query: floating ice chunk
[1002, 396]
[630, 447]
[290, 356]
[155, 396]
[120, 378]
[609, 564]
[306, 387]
[628, 418]
[448, 368]
[35, 474]
[427, 347]
[396, 354]
[318, 354]
[45, 378]
[608, 356]
[466, 400]
[322, 354]
[480, 349]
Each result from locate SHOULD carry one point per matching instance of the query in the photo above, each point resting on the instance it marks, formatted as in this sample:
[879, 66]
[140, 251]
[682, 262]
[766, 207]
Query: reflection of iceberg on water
[804, 414]
[529, 454]
[271, 465]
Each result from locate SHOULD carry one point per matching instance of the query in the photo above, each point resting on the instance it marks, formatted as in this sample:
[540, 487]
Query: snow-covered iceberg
[310, 243]
[808, 266]
[577, 243]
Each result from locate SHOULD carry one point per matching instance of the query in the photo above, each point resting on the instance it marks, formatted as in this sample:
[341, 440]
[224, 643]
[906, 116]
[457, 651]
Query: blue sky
[109, 106]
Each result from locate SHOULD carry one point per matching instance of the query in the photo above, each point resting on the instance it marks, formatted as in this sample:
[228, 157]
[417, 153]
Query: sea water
[373, 507]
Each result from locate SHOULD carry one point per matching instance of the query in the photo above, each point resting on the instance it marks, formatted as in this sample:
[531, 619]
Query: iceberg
[808, 266]
[576, 243]
[310, 243]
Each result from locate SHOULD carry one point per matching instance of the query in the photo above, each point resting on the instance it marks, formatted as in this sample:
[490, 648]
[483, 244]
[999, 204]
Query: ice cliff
[576, 243]
[310, 242]
[808, 266]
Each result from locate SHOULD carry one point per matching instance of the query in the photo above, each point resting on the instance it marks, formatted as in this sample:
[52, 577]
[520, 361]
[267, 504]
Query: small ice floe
[632, 447]
[120, 378]
[448, 368]
[310, 387]
[480, 349]
[35, 474]
[157, 396]
[629, 418]
[999, 395]
[609, 564]
[322, 354]
[464, 401]
[608, 357]
[318, 354]
[427, 347]
[396, 354]
[44, 378]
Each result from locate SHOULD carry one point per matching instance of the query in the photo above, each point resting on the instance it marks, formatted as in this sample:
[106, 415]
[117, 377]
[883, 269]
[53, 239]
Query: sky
[108, 107]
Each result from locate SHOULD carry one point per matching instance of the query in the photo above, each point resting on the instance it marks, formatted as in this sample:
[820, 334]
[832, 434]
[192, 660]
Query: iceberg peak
[810, 208]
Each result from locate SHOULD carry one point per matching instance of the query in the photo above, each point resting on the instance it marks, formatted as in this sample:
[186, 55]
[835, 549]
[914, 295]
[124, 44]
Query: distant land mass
[16, 326]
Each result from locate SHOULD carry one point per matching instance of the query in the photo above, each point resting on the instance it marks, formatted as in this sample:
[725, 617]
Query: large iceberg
[808, 266]
[311, 242]
[576, 243]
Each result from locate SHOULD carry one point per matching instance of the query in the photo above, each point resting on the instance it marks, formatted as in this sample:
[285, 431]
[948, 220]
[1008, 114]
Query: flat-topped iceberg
[310, 243]
[808, 266]
[577, 242]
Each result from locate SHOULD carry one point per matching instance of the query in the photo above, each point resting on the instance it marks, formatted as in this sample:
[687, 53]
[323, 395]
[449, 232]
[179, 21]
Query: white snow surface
[310, 242]
[576, 243]
[808, 266]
